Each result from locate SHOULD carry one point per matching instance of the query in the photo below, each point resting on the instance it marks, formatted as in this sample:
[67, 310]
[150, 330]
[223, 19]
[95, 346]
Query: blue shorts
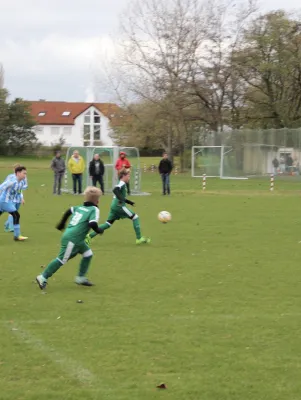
[8, 207]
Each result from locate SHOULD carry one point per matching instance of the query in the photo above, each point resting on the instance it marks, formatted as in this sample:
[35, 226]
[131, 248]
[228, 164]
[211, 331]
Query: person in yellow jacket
[76, 165]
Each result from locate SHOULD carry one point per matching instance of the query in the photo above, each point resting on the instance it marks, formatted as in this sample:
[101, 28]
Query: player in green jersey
[84, 218]
[119, 210]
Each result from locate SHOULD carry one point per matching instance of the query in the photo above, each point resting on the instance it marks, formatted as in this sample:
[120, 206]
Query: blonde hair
[16, 166]
[92, 194]
[123, 172]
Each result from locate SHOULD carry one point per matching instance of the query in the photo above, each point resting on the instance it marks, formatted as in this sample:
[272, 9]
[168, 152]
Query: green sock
[136, 224]
[102, 226]
[84, 266]
[51, 268]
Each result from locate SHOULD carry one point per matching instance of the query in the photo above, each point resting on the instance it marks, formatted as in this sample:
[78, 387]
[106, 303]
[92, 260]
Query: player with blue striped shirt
[9, 224]
[10, 191]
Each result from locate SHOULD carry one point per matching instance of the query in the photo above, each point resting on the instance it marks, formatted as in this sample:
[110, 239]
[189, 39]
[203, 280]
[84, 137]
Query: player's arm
[118, 194]
[61, 225]
[6, 185]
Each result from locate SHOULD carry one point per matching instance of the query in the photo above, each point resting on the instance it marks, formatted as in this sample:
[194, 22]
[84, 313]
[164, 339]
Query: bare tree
[176, 54]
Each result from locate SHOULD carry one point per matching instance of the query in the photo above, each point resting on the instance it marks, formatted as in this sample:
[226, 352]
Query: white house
[79, 124]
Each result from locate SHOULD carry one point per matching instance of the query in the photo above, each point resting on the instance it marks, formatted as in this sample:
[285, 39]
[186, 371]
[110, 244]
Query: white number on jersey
[76, 218]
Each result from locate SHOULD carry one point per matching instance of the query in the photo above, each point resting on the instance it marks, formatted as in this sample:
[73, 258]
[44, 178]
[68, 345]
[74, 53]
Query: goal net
[109, 156]
[215, 162]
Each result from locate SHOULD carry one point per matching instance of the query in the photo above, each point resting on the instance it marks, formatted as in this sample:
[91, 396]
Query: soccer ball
[164, 216]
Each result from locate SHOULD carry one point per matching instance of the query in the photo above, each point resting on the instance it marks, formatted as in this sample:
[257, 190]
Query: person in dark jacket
[96, 171]
[58, 167]
[165, 168]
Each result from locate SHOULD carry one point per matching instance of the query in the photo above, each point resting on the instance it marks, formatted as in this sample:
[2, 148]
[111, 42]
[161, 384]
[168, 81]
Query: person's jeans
[58, 176]
[77, 178]
[165, 183]
[99, 179]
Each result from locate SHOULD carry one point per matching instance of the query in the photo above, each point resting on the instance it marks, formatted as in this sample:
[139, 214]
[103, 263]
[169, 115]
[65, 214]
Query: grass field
[212, 307]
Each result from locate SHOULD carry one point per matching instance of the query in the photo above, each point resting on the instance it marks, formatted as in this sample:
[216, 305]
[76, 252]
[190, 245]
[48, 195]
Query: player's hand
[132, 203]
[60, 227]
[23, 202]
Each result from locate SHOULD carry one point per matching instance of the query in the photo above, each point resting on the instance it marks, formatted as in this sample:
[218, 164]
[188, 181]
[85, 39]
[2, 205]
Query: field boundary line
[70, 366]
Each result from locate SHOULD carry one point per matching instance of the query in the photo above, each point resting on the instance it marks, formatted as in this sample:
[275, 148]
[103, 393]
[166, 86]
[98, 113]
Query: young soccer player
[119, 210]
[19, 199]
[84, 218]
[10, 190]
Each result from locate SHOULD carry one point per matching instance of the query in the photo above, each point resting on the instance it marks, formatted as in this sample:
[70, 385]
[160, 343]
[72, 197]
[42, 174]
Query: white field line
[68, 365]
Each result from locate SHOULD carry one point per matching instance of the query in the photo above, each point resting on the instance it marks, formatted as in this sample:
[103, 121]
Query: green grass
[211, 307]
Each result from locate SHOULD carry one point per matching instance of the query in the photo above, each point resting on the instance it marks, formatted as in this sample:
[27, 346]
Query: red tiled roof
[54, 110]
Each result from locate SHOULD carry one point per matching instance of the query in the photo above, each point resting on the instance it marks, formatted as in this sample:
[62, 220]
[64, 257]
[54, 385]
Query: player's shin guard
[85, 263]
[51, 268]
[136, 224]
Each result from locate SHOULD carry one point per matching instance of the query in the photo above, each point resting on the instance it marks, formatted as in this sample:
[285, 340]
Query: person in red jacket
[121, 163]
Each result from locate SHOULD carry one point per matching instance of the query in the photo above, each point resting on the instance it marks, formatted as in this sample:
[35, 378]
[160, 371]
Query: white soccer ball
[164, 216]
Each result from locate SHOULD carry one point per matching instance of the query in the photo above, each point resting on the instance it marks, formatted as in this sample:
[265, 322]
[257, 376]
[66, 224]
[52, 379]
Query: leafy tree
[16, 126]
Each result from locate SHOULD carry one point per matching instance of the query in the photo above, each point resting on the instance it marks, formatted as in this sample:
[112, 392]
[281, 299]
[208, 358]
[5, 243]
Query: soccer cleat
[143, 240]
[20, 238]
[41, 281]
[88, 240]
[83, 281]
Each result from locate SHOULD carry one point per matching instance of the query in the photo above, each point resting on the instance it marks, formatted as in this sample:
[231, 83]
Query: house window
[87, 133]
[39, 130]
[66, 113]
[92, 128]
[67, 130]
[42, 113]
[55, 130]
[87, 117]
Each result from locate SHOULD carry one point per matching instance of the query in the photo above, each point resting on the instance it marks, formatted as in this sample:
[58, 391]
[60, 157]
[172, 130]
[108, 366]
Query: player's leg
[128, 187]
[68, 251]
[94, 180]
[10, 220]
[127, 213]
[87, 255]
[11, 209]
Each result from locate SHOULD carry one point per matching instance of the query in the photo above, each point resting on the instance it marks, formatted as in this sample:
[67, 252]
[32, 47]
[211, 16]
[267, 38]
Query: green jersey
[79, 224]
[123, 191]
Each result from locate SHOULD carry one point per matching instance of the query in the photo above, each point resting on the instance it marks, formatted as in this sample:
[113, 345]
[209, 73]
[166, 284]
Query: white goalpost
[214, 162]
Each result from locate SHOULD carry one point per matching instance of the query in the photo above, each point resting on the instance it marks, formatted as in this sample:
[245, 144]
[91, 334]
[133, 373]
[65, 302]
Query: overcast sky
[49, 48]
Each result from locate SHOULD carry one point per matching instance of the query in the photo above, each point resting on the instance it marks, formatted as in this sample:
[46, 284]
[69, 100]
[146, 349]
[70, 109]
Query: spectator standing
[122, 163]
[165, 168]
[76, 165]
[96, 171]
[275, 163]
[58, 167]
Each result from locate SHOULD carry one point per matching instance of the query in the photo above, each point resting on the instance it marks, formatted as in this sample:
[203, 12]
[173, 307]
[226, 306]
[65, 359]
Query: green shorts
[70, 250]
[120, 212]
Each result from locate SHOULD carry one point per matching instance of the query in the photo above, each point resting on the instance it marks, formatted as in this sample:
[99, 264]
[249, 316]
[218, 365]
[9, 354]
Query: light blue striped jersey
[19, 196]
[11, 189]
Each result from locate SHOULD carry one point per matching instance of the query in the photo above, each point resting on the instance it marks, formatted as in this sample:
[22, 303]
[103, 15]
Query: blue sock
[16, 230]
[10, 222]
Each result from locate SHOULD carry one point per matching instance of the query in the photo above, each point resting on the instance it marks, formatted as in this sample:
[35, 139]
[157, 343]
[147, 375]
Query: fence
[247, 153]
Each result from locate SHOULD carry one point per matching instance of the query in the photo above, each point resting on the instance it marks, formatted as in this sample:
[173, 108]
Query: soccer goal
[215, 162]
[109, 156]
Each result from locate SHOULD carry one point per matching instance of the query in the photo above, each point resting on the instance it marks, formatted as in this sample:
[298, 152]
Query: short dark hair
[20, 168]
